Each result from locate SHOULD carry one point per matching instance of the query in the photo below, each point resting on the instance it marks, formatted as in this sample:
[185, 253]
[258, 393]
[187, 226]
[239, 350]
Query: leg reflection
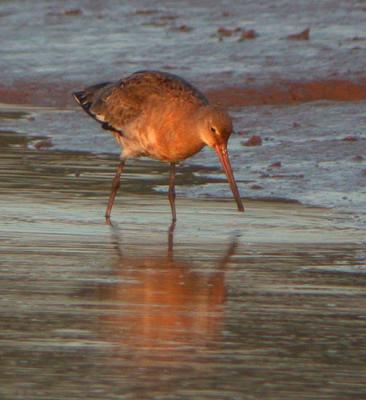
[171, 239]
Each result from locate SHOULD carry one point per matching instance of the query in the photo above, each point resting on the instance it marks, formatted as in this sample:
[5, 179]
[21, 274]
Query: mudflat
[266, 305]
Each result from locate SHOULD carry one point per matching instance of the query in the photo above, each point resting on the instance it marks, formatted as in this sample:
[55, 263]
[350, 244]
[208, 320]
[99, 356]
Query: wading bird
[159, 115]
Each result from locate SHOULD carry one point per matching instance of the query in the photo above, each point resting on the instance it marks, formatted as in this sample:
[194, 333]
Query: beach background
[268, 304]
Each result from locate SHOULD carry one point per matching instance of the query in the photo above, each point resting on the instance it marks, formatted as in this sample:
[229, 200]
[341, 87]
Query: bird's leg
[171, 193]
[115, 186]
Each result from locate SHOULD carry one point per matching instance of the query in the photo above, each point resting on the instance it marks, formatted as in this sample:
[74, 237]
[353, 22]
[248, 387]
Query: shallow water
[103, 315]
[267, 304]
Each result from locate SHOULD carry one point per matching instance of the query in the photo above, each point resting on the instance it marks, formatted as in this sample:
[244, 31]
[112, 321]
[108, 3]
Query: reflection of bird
[159, 115]
[161, 300]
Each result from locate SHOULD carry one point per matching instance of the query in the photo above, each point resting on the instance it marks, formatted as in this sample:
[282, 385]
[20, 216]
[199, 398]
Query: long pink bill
[221, 151]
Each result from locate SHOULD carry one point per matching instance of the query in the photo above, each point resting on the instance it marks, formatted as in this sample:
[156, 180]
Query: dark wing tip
[76, 96]
[83, 99]
[80, 96]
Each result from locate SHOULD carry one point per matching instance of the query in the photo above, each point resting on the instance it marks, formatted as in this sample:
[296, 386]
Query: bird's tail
[86, 98]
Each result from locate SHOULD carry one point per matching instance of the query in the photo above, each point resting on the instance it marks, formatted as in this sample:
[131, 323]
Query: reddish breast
[166, 133]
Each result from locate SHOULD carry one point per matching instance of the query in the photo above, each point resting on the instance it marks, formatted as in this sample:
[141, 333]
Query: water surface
[265, 304]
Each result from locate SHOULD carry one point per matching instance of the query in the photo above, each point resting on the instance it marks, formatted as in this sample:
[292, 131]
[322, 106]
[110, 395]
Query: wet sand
[267, 304]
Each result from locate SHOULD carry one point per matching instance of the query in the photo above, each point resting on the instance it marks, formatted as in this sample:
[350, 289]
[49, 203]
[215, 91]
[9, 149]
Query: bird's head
[215, 127]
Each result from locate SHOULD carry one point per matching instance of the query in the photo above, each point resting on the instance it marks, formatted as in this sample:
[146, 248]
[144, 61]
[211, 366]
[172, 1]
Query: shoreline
[279, 92]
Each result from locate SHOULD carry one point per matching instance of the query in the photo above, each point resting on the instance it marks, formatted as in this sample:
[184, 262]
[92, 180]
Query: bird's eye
[213, 130]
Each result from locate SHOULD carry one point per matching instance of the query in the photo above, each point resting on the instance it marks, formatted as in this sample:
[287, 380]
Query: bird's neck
[184, 138]
[193, 127]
